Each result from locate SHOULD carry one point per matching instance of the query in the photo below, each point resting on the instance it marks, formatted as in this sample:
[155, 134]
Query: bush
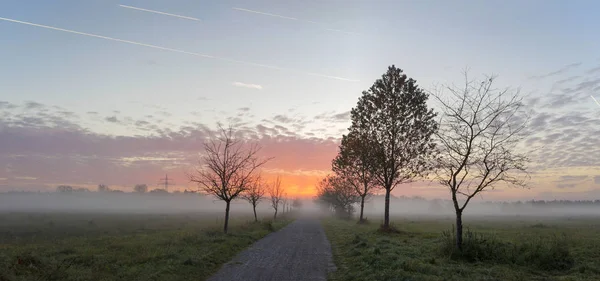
[547, 254]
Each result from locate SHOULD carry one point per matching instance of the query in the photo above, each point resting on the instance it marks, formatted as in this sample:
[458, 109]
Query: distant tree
[103, 188]
[255, 192]
[140, 188]
[335, 192]
[81, 189]
[116, 191]
[159, 191]
[297, 204]
[276, 194]
[354, 163]
[480, 129]
[393, 114]
[227, 168]
[64, 188]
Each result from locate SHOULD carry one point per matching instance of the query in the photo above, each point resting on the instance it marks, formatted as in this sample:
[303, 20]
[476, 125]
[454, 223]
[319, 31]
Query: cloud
[557, 72]
[597, 180]
[333, 117]
[250, 86]
[162, 13]
[112, 119]
[179, 51]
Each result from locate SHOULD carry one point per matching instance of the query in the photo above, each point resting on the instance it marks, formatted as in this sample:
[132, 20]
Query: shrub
[548, 254]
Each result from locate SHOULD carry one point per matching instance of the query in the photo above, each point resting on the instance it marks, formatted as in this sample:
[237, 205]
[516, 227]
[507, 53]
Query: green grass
[501, 249]
[121, 247]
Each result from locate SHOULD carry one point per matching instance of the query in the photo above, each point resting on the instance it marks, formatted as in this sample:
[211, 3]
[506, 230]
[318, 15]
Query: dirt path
[299, 251]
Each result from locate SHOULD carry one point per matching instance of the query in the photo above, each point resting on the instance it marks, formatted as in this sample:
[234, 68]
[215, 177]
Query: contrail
[177, 50]
[296, 19]
[598, 103]
[157, 12]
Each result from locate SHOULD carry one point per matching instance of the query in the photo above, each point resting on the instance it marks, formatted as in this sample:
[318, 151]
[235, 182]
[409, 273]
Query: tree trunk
[275, 215]
[255, 217]
[386, 216]
[362, 208]
[226, 217]
[459, 230]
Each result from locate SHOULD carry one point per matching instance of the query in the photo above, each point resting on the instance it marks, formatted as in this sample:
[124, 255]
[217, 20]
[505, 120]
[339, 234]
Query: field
[510, 248]
[94, 246]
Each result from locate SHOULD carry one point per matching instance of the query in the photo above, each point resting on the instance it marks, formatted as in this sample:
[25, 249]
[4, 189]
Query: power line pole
[166, 181]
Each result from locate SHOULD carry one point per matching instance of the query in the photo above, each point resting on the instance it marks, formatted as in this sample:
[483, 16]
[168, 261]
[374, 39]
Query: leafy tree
[227, 168]
[354, 163]
[103, 188]
[297, 203]
[393, 114]
[64, 188]
[480, 129]
[334, 192]
[255, 192]
[276, 193]
[140, 188]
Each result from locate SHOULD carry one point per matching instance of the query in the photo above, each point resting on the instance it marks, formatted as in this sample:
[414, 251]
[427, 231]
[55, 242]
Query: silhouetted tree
[227, 168]
[340, 196]
[159, 191]
[393, 114]
[354, 163]
[103, 188]
[276, 194]
[297, 203]
[140, 188]
[64, 188]
[255, 192]
[480, 128]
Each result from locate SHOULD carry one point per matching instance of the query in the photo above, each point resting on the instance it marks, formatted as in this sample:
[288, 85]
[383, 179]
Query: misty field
[504, 248]
[117, 246]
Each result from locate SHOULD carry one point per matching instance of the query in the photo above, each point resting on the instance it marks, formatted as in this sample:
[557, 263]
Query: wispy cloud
[295, 19]
[157, 12]
[557, 72]
[244, 85]
[179, 51]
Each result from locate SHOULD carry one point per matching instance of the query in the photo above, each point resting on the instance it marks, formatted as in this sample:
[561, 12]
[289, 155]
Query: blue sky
[112, 87]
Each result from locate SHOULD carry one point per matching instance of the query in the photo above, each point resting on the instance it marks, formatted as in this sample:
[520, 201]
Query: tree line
[470, 146]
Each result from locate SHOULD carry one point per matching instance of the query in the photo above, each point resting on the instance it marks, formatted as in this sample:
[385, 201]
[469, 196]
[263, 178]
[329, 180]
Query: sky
[124, 92]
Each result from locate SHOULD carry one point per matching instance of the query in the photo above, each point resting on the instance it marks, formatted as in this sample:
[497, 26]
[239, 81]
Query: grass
[499, 249]
[121, 247]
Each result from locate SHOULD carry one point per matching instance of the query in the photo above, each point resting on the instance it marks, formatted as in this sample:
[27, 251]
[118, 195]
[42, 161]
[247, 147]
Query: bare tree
[394, 115]
[255, 192]
[227, 168]
[276, 193]
[480, 129]
[140, 188]
[354, 163]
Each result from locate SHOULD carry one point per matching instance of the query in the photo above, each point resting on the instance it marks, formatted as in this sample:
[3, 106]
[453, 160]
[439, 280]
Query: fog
[95, 202]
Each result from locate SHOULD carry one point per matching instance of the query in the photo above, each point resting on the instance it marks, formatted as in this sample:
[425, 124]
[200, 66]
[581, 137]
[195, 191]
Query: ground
[92, 246]
[414, 253]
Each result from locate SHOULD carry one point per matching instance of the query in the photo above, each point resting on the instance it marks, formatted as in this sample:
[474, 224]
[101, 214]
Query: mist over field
[117, 202]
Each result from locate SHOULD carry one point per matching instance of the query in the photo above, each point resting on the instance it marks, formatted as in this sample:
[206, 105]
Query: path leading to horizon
[299, 251]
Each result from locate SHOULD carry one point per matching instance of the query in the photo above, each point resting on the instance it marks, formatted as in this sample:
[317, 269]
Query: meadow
[497, 248]
[119, 246]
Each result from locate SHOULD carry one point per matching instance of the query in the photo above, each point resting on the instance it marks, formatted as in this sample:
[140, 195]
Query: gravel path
[299, 251]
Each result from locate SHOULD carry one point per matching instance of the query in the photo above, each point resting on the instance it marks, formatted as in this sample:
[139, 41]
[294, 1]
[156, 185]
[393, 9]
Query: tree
[393, 114]
[255, 192]
[335, 192]
[480, 128]
[64, 188]
[140, 188]
[227, 168]
[276, 194]
[354, 163]
[103, 188]
[297, 204]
